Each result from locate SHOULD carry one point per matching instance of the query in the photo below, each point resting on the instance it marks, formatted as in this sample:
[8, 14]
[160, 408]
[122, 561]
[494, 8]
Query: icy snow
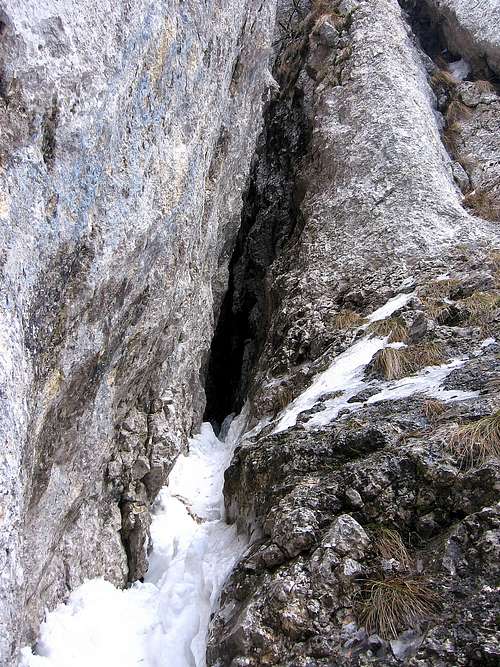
[162, 622]
[390, 307]
[346, 373]
[460, 69]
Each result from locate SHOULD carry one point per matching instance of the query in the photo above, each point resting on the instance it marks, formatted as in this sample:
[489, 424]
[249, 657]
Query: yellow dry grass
[398, 363]
[393, 604]
[477, 441]
[389, 544]
[394, 327]
[347, 319]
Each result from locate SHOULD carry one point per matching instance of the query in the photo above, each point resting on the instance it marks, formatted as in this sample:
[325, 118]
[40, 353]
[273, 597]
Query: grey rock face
[381, 216]
[471, 29]
[127, 133]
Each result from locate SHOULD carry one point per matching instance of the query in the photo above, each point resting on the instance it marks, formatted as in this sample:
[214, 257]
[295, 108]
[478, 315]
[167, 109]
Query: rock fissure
[270, 216]
[287, 208]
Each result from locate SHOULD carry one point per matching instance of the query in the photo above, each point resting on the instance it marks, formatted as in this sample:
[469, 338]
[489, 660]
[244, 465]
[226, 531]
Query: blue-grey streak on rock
[127, 133]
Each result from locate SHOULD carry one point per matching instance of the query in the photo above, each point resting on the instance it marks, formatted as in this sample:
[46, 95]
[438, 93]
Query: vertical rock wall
[127, 129]
[361, 481]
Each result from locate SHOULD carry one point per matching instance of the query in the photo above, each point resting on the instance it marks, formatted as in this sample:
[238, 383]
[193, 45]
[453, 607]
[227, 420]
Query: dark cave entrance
[270, 215]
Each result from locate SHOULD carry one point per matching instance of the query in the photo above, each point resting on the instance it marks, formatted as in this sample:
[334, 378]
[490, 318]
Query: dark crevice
[270, 215]
[50, 122]
[427, 25]
[426, 28]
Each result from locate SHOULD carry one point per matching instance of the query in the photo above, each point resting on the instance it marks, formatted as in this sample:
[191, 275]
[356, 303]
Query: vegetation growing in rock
[456, 112]
[433, 297]
[398, 363]
[444, 80]
[484, 202]
[433, 409]
[392, 604]
[389, 544]
[481, 307]
[477, 441]
[347, 319]
[394, 327]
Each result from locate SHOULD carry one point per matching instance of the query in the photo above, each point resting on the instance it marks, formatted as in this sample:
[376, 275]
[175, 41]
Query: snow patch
[162, 622]
[390, 307]
[344, 374]
[460, 69]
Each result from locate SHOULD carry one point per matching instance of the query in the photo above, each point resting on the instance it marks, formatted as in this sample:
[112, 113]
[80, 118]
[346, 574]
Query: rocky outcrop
[368, 481]
[351, 246]
[127, 134]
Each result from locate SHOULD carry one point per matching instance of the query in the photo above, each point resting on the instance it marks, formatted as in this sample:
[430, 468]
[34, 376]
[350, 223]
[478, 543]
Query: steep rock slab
[127, 131]
[379, 203]
[376, 351]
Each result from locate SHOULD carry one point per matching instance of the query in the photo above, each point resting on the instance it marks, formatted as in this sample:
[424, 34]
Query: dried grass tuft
[444, 79]
[347, 319]
[394, 327]
[484, 202]
[476, 442]
[393, 604]
[394, 363]
[433, 409]
[389, 544]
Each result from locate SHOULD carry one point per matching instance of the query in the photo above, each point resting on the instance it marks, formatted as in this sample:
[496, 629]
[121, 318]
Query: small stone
[406, 645]
[351, 568]
[460, 175]
[354, 498]
[328, 35]
[140, 468]
[347, 537]
[114, 469]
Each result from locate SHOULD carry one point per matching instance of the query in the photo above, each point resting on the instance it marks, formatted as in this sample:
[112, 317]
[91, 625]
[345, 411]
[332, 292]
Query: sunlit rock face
[127, 133]
[342, 214]
[375, 384]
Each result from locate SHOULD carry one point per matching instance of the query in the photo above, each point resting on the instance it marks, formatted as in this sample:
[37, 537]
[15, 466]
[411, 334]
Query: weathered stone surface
[128, 131]
[127, 134]
[471, 29]
[380, 215]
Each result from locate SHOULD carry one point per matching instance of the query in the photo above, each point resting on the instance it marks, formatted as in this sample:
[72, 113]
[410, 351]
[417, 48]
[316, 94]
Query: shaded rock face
[270, 215]
[130, 132]
[127, 135]
[381, 493]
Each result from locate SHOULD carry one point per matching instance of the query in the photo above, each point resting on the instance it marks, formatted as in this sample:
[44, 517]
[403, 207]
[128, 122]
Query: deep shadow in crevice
[427, 25]
[270, 215]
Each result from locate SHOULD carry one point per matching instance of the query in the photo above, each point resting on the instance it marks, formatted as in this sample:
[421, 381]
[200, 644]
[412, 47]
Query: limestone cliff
[292, 204]
[127, 129]
[368, 482]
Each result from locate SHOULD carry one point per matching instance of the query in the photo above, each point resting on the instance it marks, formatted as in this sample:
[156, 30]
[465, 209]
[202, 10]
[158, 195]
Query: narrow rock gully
[331, 388]
[164, 619]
